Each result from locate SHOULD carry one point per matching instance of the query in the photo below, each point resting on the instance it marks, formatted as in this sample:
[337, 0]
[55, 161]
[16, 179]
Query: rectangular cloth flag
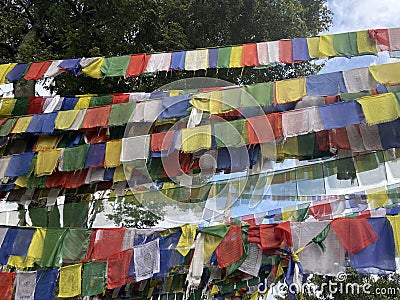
[236, 57]
[16, 73]
[75, 244]
[94, 278]
[51, 255]
[358, 80]
[285, 51]
[380, 108]
[158, 62]
[230, 250]
[22, 241]
[70, 281]
[45, 284]
[115, 66]
[118, 268]
[329, 84]
[25, 285]
[95, 155]
[249, 55]
[21, 124]
[121, 113]
[65, 119]
[300, 49]
[197, 138]
[340, 114]
[107, 242]
[386, 73]
[326, 48]
[113, 153]
[96, 117]
[74, 158]
[92, 66]
[135, 148]
[224, 55]
[354, 234]
[46, 162]
[178, 60]
[137, 65]
[7, 285]
[345, 43]
[147, 260]
[290, 90]
[365, 44]
[19, 164]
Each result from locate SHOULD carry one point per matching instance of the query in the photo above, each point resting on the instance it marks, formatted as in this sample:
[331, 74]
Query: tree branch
[8, 47]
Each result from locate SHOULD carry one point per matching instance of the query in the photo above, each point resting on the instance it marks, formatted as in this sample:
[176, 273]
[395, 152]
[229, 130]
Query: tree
[37, 30]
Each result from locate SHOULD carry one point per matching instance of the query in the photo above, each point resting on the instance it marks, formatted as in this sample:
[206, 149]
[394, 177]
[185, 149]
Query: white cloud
[353, 15]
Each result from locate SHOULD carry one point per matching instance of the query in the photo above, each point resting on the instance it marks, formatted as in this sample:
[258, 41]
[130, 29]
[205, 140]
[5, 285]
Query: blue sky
[353, 15]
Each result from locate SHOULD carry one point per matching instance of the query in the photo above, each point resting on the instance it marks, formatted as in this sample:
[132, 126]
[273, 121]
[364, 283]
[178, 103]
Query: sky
[354, 15]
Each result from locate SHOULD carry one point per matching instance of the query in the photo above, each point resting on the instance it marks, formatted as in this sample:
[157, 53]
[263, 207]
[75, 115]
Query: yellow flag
[70, 281]
[36, 248]
[395, 222]
[7, 106]
[387, 73]
[22, 181]
[197, 138]
[326, 48]
[236, 57]
[113, 153]
[93, 70]
[313, 47]
[65, 119]
[216, 102]
[47, 161]
[201, 101]
[377, 197]
[83, 102]
[365, 44]
[210, 244]
[119, 174]
[4, 70]
[22, 124]
[187, 239]
[380, 108]
[46, 142]
[173, 93]
[290, 90]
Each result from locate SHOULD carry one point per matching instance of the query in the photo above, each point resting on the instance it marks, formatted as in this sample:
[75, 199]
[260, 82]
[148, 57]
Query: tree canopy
[35, 30]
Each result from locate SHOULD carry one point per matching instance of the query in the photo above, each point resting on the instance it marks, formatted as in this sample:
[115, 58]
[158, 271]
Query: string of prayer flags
[284, 51]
